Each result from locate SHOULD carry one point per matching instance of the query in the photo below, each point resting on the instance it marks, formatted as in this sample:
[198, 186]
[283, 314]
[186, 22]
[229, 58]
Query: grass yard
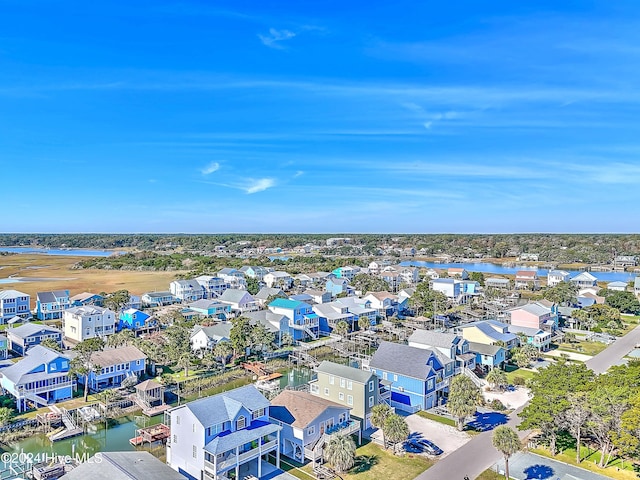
[437, 418]
[60, 275]
[513, 371]
[590, 458]
[490, 475]
[585, 347]
[374, 463]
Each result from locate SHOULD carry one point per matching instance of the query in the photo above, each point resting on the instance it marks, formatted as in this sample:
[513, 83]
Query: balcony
[232, 460]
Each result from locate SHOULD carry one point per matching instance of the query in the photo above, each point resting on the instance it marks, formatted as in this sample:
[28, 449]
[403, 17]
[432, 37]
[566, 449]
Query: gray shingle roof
[216, 332]
[115, 356]
[12, 294]
[224, 443]
[266, 292]
[123, 466]
[51, 297]
[267, 318]
[483, 348]
[343, 371]
[28, 329]
[36, 356]
[433, 338]
[408, 361]
[298, 408]
[233, 295]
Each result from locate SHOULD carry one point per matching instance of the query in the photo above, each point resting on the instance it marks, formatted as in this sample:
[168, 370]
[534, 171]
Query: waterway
[78, 252]
[497, 269]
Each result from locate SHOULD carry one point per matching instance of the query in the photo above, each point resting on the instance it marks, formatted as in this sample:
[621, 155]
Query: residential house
[82, 323]
[407, 275]
[319, 296]
[555, 277]
[337, 286]
[255, 272]
[360, 307]
[14, 303]
[584, 280]
[114, 365]
[212, 286]
[488, 356]
[4, 347]
[206, 338]
[87, 298]
[27, 336]
[50, 305]
[457, 272]
[240, 301]
[330, 314]
[303, 322]
[159, 299]
[620, 262]
[527, 280]
[122, 466]
[393, 279]
[186, 290]
[453, 346]
[212, 309]
[617, 286]
[385, 303]
[489, 332]
[235, 278]
[533, 336]
[359, 390]
[275, 323]
[419, 377]
[223, 436]
[278, 280]
[498, 283]
[404, 296]
[636, 286]
[535, 315]
[432, 274]
[308, 422]
[136, 320]
[39, 379]
[460, 291]
[347, 272]
[304, 280]
[267, 293]
[135, 301]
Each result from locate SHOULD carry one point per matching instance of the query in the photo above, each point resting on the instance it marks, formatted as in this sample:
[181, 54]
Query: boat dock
[156, 433]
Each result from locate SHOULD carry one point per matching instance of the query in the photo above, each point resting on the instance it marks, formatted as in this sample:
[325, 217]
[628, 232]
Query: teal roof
[286, 303]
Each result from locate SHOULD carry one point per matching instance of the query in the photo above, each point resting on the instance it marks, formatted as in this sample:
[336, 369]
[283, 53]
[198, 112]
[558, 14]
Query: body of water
[497, 269]
[79, 252]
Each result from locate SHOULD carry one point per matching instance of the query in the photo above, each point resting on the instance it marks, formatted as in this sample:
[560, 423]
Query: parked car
[425, 446]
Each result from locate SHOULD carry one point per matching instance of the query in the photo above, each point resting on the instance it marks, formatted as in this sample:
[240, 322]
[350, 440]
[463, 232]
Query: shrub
[497, 405]
[518, 380]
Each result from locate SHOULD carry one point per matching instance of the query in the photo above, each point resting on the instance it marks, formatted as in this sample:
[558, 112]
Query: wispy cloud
[298, 174]
[275, 37]
[209, 169]
[259, 185]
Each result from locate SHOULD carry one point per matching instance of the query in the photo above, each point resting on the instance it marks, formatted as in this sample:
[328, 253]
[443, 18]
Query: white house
[554, 277]
[617, 286]
[278, 279]
[186, 290]
[81, 323]
[14, 303]
[240, 301]
[206, 338]
[584, 280]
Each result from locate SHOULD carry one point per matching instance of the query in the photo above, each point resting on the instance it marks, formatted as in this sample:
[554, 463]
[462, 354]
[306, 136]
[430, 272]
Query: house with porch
[537, 337]
[235, 278]
[122, 466]
[206, 338]
[41, 378]
[453, 346]
[303, 321]
[87, 299]
[4, 347]
[28, 335]
[527, 280]
[186, 290]
[584, 280]
[497, 283]
[308, 422]
[319, 296]
[136, 320]
[278, 279]
[223, 436]
[267, 293]
[211, 309]
[347, 272]
[255, 272]
[488, 356]
[50, 305]
[275, 323]
[555, 277]
[114, 365]
[419, 377]
[617, 286]
[14, 303]
[535, 315]
[337, 286]
[240, 301]
[358, 390]
[489, 332]
[332, 313]
[82, 323]
[212, 287]
[385, 303]
[457, 272]
[158, 299]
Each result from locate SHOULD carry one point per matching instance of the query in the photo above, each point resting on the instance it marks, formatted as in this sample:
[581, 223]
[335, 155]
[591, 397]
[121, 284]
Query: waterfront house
[555, 277]
[206, 338]
[14, 303]
[535, 315]
[50, 305]
[4, 347]
[278, 279]
[211, 309]
[134, 465]
[617, 286]
[533, 336]
[360, 307]
[224, 435]
[137, 321]
[240, 301]
[460, 291]
[419, 377]
[267, 293]
[384, 303]
[453, 346]
[330, 314]
[39, 379]
[359, 390]
[456, 272]
[158, 299]
[186, 290]
[27, 336]
[212, 287]
[303, 321]
[497, 283]
[489, 332]
[86, 298]
[114, 365]
[308, 422]
[135, 301]
[488, 356]
[82, 323]
[584, 280]
[527, 280]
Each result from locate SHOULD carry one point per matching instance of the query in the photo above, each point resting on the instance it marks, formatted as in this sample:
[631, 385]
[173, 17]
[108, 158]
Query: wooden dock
[156, 433]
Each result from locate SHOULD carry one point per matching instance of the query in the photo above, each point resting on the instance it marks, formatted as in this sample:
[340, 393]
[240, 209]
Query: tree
[426, 301]
[627, 441]
[368, 283]
[240, 335]
[253, 285]
[117, 300]
[341, 328]
[395, 428]
[5, 415]
[340, 452]
[464, 397]
[261, 337]
[625, 302]
[221, 351]
[563, 293]
[607, 405]
[507, 442]
[51, 344]
[477, 277]
[364, 323]
[576, 417]
[379, 414]
[82, 365]
[184, 361]
[123, 337]
[497, 378]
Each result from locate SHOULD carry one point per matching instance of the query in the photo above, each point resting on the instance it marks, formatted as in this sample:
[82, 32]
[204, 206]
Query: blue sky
[321, 116]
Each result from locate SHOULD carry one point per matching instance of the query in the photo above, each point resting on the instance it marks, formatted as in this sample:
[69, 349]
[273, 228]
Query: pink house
[534, 315]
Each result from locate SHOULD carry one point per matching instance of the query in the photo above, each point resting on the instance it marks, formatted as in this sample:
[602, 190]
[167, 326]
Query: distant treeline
[559, 248]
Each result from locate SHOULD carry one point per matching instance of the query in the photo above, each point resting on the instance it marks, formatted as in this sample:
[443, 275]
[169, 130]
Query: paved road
[527, 466]
[476, 456]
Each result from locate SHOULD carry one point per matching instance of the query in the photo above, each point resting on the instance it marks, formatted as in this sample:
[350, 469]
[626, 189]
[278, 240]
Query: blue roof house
[39, 379]
[303, 321]
[134, 319]
[28, 335]
[223, 436]
[337, 286]
[419, 377]
[50, 305]
[14, 303]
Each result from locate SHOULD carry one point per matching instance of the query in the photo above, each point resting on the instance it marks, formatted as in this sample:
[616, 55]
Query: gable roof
[123, 466]
[215, 332]
[432, 338]
[31, 328]
[114, 356]
[267, 318]
[12, 294]
[205, 304]
[225, 406]
[485, 327]
[234, 295]
[81, 297]
[617, 284]
[484, 349]
[533, 308]
[583, 276]
[299, 409]
[36, 356]
[148, 385]
[526, 274]
[408, 361]
[344, 371]
[266, 292]
[287, 304]
[51, 297]
[86, 310]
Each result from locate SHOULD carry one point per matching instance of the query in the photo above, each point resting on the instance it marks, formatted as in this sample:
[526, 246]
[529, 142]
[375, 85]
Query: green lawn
[590, 458]
[490, 475]
[585, 347]
[373, 463]
[437, 418]
[513, 372]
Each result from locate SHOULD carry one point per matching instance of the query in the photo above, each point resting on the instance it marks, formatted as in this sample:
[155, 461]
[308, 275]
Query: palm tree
[464, 397]
[51, 344]
[221, 351]
[506, 441]
[395, 428]
[340, 452]
[497, 378]
[341, 328]
[184, 361]
[379, 414]
[364, 323]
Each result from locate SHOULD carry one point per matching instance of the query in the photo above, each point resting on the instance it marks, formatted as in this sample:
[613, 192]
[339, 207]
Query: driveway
[529, 466]
[510, 399]
[446, 437]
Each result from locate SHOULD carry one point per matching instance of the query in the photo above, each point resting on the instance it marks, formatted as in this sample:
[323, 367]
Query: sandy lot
[446, 437]
[513, 399]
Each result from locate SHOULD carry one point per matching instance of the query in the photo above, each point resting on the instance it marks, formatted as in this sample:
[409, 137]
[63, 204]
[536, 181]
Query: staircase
[66, 419]
[474, 378]
[310, 332]
[32, 397]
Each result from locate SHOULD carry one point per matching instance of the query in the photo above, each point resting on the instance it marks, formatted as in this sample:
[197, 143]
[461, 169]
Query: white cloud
[298, 173]
[209, 169]
[259, 185]
[275, 36]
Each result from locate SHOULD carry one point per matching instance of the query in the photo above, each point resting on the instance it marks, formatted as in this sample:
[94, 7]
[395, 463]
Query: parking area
[446, 437]
[510, 398]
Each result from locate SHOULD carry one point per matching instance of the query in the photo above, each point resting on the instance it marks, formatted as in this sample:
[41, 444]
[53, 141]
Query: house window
[326, 391]
[332, 380]
[311, 430]
[371, 386]
[175, 438]
[314, 388]
[177, 419]
[342, 382]
[195, 452]
[371, 401]
[349, 399]
[349, 385]
[395, 377]
[193, 428]
[257, 414]
[341, 396]
[241, 423]
[384, 375]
